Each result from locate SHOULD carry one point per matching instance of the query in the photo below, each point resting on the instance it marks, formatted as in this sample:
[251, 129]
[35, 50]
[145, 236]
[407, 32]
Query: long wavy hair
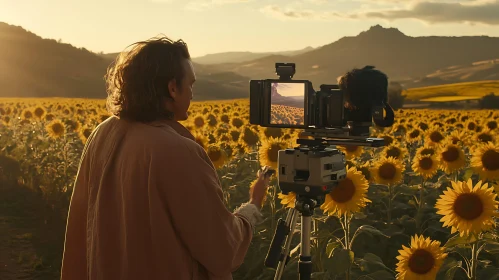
[137, 81]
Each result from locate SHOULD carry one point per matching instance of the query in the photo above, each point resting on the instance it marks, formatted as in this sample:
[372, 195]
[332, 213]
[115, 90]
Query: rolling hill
[35, 67]
[32, 66]
[401, 57]
[238, 57]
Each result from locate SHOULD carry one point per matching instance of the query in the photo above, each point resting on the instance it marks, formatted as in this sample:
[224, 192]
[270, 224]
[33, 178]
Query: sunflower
[288, 199]
[249, 136]
[426, 165]
[467, 209]
[217, 155]
[366, 170]
[413, 135]
[388, 138]
[426, 150]
[395, 151]
[387, 171]
[485, 161]
[433, 136]
[458, 137]
[421, 261]
[269, 151]
[484, 136]
[352, 151]
[349, 196]
[55, 129]
[451, 157]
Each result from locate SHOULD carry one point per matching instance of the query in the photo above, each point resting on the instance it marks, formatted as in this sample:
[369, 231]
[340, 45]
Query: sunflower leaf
[340, 260]
[371, 230]
[371, 263]
[378, 275]
[488, 273]
[467, 174]
[459, 240]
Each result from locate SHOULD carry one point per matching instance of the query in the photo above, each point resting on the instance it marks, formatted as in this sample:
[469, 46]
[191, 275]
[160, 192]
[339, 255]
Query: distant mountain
[35, 67]
[238, 57]
[401, 57]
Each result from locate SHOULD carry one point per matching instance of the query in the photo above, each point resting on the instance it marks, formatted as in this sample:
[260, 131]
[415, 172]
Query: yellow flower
[421, 261]
[217, 155]
[451, 157]
[269, 151]
[394, 151]
[434, 136]
[352, 151]
[55, 129]
[467, 209]
[388, 171]
[426, 150]
[485, 161]
[426, 165]
[349, 196]
[288, 200]
[413, 136]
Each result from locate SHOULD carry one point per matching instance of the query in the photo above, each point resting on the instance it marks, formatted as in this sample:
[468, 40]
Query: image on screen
[287, 103]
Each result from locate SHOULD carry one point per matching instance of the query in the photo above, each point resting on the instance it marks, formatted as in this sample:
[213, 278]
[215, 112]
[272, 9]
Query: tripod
[305, 206]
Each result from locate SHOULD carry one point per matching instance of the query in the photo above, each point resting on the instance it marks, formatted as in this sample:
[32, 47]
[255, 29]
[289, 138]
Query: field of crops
[477, 89]
[288, 115]
[423, 207]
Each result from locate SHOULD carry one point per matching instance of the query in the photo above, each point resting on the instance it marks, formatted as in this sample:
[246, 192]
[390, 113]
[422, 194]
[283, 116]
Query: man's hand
[259, 189]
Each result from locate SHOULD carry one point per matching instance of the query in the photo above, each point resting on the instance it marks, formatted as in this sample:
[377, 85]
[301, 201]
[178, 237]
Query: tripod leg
[305, 262]
[291, 220]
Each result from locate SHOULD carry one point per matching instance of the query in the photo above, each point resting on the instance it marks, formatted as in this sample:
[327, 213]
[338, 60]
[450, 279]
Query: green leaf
[458, 240]
[340, 260]
[378, 275]
[371, 263]
[467, 174]
[371, 230]
[488, 273]
[392, 230]
[448, 269]
[359, 216]
[492, 247]
[331, 245]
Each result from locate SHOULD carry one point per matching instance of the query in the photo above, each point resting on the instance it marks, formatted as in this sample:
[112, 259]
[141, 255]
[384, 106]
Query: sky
[212, 26]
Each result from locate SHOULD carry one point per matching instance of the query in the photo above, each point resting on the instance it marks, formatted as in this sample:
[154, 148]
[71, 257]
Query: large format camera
[288, 103]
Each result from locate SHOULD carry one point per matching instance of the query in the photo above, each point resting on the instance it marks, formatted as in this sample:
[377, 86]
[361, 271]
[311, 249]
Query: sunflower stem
[419, 214]
[390, 197]
[474, 260]
[348, 245]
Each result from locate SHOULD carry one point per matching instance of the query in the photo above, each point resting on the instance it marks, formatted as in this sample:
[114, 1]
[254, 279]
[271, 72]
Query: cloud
[486, 12]
[204, 4]
[477, 11]
[294, 14]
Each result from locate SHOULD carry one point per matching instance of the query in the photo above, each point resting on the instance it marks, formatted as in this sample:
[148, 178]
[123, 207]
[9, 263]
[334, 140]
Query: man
[147, 202]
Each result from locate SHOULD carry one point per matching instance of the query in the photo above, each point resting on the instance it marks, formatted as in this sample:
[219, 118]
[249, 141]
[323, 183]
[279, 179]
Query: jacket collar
[178, 127]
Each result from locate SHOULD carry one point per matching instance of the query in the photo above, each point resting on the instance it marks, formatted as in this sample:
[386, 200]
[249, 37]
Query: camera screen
[287, 103]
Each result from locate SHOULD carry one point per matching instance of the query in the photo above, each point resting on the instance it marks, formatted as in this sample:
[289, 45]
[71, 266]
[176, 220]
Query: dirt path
[28, 245]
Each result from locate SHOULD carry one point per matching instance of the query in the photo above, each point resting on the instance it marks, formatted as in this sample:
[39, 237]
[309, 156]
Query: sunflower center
[387, 171]
[388, 139]
[393, 152]
[414, 134]
[344, 191]
[468, 206]
[492, 124]
[426, 163]
[471, 126]
[421, 261]
[351, 148]
[57, 128]
[436, 136]
[485, 137]
[490, 160]
[451, 154]
[273, 153]
[215, 154]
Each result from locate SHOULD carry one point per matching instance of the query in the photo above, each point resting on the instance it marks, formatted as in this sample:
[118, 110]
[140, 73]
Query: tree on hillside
[395, 96]
[489, 101]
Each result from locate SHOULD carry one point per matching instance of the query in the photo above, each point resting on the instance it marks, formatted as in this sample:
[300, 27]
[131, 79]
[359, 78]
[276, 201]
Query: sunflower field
[425, 206]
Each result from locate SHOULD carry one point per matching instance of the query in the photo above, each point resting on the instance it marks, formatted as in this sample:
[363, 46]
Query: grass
[469, 89]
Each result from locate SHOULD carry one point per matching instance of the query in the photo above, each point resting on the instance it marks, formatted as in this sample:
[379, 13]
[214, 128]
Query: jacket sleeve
[216, 238]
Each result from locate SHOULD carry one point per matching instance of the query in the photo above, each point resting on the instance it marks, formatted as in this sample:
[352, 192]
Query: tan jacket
[147, 204]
